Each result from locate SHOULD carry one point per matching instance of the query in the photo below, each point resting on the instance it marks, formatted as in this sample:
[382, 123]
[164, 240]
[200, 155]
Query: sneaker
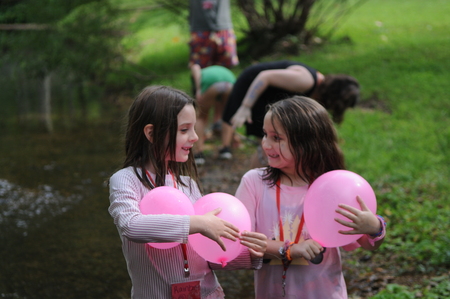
[199, 158]
[225, 153]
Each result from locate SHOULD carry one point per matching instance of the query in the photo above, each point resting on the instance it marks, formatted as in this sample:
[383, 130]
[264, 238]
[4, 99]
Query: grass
[398, 50]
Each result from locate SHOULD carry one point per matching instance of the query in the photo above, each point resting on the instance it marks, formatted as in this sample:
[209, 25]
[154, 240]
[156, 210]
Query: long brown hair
[159, 106]
[312, 137]
[337, 93]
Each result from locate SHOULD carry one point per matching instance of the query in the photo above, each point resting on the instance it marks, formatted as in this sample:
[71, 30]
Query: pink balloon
[322, 199]
[233, 211]
[166, 200]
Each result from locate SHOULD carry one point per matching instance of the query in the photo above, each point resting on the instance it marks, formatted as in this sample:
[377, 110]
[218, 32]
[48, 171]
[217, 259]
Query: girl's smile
[276, 145]
[186, 136]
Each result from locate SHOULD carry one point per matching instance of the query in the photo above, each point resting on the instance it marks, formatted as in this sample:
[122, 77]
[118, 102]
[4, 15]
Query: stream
[58, 239]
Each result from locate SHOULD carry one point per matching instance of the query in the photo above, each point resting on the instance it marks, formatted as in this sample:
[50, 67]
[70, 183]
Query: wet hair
[337, 93]
[159, 106]
[312, 137]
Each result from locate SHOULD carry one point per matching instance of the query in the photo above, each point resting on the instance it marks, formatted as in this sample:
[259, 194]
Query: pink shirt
[153, 271]
[304, 279]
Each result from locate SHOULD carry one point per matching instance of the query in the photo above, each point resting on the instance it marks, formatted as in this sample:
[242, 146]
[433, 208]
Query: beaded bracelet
[288, 251]
[381, 233]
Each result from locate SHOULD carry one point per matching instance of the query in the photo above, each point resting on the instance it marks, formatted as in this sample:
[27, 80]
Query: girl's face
[276, 145]
[186, 136]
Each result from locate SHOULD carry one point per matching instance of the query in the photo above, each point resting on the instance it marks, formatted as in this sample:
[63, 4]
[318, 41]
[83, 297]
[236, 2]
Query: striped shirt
[153, 271]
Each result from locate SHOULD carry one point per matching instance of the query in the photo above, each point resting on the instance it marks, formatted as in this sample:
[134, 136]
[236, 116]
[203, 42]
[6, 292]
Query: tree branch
[31, 26]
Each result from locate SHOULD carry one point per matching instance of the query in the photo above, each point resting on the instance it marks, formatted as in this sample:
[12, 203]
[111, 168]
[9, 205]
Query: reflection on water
[21, 206]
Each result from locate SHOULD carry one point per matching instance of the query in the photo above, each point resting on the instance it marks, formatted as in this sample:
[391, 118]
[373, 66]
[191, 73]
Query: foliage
[80, 37]
[436, 288]
[78, 42]
[274, 26]
[89, 31]
[286, 26]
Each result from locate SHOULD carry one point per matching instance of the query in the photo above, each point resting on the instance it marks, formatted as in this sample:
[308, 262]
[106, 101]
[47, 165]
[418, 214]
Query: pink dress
[303, 280]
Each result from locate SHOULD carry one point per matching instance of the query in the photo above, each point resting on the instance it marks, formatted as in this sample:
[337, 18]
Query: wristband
[288, 252]
[380, 235]
[284, 250]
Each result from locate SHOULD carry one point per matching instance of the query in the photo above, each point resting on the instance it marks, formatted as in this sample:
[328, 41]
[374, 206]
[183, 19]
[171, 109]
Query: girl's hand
[256, 243]
[307, 249]
[242, 115]
[213, 227]
[362, 221]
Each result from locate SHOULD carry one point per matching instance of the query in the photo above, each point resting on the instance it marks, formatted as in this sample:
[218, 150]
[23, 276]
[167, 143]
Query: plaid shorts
[213, 48]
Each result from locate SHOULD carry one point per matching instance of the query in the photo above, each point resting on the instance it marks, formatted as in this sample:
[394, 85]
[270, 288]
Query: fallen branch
[31, 26]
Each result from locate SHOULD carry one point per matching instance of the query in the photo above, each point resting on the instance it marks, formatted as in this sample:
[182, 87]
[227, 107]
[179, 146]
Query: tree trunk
[22, 97]
[274, 22]
[46, 103]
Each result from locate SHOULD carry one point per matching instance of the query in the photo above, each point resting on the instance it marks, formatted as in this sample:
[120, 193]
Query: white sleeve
[125, 195]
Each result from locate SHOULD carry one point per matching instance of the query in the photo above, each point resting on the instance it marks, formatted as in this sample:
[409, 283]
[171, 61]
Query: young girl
[158, 142]
[301, 144]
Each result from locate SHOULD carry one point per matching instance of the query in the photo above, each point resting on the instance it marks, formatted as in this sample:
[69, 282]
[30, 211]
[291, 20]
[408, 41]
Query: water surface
[58, 239]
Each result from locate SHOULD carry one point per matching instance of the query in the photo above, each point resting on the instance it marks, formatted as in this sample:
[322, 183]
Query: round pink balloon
[322, 199]
[166, 200]
[233, 211]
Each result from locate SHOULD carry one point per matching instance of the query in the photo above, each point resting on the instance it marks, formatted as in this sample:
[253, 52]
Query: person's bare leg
[219, 105]
[200, 127]
[204, 105]
[227, 138]
[227, 134]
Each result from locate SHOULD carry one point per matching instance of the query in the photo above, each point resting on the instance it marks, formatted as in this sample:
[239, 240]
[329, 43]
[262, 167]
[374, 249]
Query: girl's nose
[194, 137]
[265, 144]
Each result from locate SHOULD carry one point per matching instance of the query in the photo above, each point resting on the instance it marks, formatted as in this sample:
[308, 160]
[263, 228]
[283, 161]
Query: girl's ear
[148, 132]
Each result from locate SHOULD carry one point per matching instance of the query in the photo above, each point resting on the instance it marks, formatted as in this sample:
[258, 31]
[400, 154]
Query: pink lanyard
[183, 246]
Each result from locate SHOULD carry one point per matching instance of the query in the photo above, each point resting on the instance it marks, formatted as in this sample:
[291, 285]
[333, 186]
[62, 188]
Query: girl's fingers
[348, 208]
[256, 253]
[221, 244]
[362, 203]
[229, 236]
[232, 228]
[343, 222]
[253, 235]
[256, 242]
[353, 209]
[253, 246]
[347, 214]
[216, 211]
[348, 232]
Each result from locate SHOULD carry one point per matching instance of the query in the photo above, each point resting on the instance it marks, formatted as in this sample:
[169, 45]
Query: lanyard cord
[280, 222]
[286, 262]
[183, 246]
